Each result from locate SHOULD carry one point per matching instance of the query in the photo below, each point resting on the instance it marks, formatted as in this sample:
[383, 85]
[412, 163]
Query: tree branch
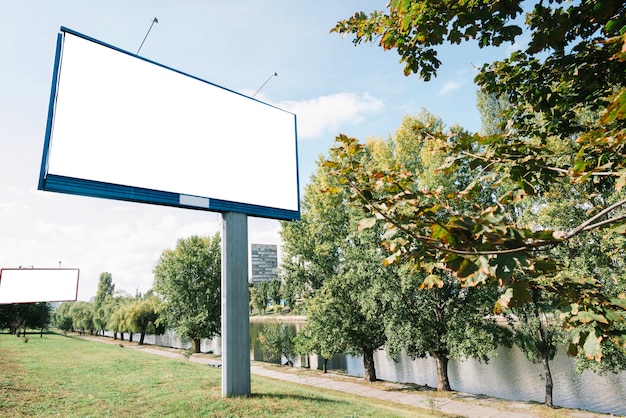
[589, 223]
[436, 245]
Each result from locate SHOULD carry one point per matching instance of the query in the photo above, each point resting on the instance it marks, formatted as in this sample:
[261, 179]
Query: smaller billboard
[31, 285]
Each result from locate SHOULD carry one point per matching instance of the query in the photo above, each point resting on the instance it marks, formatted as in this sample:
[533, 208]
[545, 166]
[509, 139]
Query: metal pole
[235, 299]
[155, 20]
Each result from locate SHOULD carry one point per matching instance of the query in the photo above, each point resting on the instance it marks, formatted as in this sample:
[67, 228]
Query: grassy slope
[57, 375]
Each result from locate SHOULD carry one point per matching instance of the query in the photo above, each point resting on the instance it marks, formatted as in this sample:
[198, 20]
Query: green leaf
[617, 109]
[520, 292]
[466, 268]
[621, 302]
[505, 266]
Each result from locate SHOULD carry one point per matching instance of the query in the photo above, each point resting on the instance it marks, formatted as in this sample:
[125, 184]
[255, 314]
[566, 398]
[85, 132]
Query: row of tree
[185, 297]
[360, 296]
[17, 318]
[524, 220]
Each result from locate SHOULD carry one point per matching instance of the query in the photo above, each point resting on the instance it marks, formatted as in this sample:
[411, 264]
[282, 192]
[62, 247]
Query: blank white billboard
[124, 127]
[38, 285]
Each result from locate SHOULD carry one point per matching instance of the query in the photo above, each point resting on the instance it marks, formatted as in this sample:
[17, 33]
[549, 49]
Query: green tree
[274, 293]
[106, 287]
[62, 317]
[538, 332]
[82, 317]
[492, 113]
[121, 319]
[117, 314]
[18, 317]
[344, 317]
[340, 282]
[8, 314]
[143, 315]
[277, 341]
[573, 65]
[426, 310]
[536, 323]
[258, 297]
[318, 336]
[188, 280]
[311, 253]
[447, 322]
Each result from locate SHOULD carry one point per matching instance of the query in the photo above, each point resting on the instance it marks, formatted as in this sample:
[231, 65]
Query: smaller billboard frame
[33, 285]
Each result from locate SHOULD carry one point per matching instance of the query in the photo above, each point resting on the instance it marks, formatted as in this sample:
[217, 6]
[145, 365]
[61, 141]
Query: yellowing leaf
[366, 223]
[431, 281]
[592, 348]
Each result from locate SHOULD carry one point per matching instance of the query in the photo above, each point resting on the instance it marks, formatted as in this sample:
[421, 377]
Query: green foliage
[263, 292]
[274, 293]
[311, 253]
[343, 314]
[62, 318]
[21, 316]
[106, 289]
[277, 341]
[565, 125]
[321, 334]
[82, 316]
[444, 321]
[259, 298]
[142, 316]
[119, 315]
[188, 280]
[492, 113]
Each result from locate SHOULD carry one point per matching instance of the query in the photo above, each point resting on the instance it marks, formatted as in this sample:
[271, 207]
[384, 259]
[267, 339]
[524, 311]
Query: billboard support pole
[235, 299]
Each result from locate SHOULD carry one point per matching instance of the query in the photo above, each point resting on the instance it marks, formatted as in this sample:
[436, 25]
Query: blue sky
[332, 86]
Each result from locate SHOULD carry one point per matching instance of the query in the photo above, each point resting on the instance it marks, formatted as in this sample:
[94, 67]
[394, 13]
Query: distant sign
[123, 127]
[38, 285]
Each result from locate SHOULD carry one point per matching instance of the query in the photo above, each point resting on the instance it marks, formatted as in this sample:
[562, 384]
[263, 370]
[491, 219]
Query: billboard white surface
[38, 285]
[124, 127]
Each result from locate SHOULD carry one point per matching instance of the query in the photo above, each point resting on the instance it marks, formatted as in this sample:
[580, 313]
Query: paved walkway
[457, 404]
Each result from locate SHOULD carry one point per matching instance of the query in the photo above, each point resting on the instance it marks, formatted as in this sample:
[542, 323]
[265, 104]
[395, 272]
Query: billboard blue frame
[55, 182]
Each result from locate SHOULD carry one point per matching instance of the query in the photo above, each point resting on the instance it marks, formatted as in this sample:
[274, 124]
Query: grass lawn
[66, 376]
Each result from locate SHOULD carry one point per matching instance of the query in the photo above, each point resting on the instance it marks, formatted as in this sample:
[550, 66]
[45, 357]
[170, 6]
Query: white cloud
[168, 223]
[449, 87]
[329, 113]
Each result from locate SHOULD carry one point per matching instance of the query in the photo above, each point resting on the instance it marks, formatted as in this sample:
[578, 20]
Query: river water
[508, 375]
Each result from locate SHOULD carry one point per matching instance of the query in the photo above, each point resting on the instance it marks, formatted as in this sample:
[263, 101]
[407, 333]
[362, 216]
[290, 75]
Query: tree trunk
[549, 383]
[196, 345]
[115, 335]
[369, 368]
[325, 365]
[443, 384]
[122, 336]
[130, 337]
[141, 337]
